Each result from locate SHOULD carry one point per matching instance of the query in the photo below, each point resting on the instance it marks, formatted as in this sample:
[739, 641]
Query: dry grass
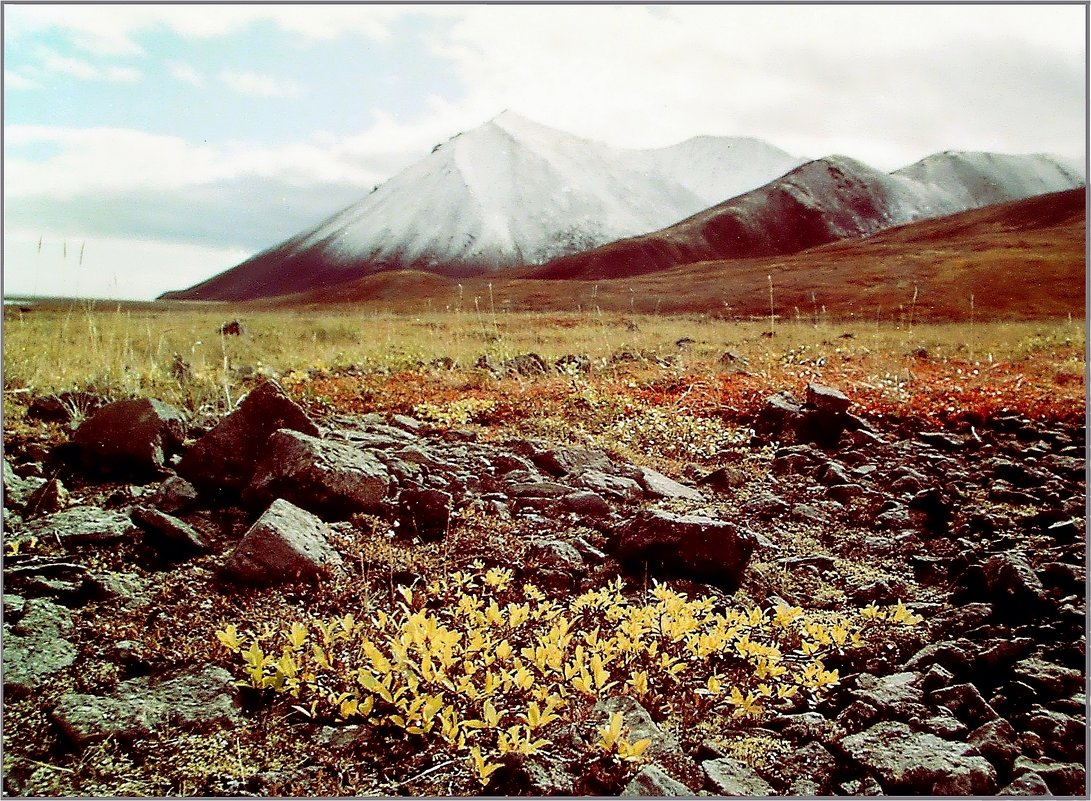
[134, 350]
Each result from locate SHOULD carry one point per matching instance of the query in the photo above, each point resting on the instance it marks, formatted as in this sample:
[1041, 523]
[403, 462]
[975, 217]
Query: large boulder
[285, 544]
[914, 763]
[688, 546]
[223, 460]
[136, 436]
[332, 479]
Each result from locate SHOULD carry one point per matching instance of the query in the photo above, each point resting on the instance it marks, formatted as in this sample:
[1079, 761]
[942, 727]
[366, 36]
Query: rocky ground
[130, 543]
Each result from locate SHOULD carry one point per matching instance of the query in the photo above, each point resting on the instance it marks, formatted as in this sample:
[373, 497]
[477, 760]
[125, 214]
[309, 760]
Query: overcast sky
[166, 143]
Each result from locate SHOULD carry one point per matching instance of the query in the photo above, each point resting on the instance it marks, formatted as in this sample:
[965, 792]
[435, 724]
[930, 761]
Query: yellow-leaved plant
[491, 668]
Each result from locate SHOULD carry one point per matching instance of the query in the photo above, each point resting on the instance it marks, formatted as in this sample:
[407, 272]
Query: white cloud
[95, 161]
[50, 61]
[186, 73]
[114, 29]
[19, 81]
[815, 79]
[258, 85]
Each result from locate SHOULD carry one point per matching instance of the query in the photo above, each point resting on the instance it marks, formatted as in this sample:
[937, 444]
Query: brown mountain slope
[1020, 260]
[828, 199]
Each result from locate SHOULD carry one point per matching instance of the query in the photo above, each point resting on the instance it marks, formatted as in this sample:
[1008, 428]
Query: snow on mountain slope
[509, 193]
[822, 201]
[716, 168]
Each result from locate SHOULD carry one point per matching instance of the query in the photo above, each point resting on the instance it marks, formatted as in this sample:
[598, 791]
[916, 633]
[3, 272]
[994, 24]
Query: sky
[147, 147]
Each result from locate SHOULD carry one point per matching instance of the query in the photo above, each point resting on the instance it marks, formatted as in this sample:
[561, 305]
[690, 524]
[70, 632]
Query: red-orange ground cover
[927, 392]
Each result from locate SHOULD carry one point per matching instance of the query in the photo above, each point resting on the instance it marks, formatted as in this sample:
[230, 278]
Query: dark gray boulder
[915, 763]
[689, 546]
[332, 479]
[286, 543]
[727, 776]
[136, 436]
[653, 782]
[424, 513]
[223, 460]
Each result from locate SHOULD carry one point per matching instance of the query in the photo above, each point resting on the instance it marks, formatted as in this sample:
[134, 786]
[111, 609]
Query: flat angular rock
[35, 647]
[998, 742]
[893, 694]
[653, 781]
[727, 776]
[913, 763]
[167, 533]
[657, 485]
[84, 524]
[1011, 581]
[200, 700]
[689, 546]
[285, 544]
[17, 490]
[618, 487]
[778, 417]
[564, 461]
[130, 435]
[827, 399]
[332, 479]
[223, 460]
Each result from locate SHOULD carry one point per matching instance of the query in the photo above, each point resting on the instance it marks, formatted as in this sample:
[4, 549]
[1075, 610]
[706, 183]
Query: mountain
[823, 201]
[1019, 260]
[510, 193]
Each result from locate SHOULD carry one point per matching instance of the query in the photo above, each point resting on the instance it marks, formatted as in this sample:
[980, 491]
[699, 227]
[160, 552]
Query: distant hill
[508, 194]
[823, 201]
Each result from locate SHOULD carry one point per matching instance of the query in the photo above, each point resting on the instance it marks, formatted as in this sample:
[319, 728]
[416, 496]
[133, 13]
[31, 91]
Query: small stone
[174, 495]
[657, 485]
[168, 534]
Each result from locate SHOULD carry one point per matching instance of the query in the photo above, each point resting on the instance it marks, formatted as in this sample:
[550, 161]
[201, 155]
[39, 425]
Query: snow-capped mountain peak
[510, 193]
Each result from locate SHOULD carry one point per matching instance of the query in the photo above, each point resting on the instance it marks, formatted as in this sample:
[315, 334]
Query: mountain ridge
[822, 201]
[509, 193]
